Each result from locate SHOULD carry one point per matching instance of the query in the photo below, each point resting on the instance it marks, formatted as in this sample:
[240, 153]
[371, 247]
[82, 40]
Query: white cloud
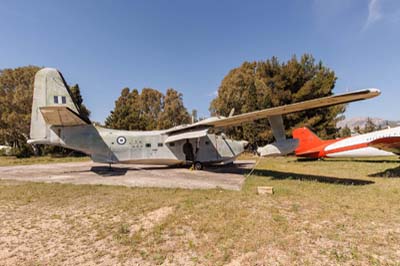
[213, 94]
[374, 13]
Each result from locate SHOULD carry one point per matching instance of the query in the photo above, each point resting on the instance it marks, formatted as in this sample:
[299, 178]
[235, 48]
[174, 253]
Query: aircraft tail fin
[308, 141]
[51, 91]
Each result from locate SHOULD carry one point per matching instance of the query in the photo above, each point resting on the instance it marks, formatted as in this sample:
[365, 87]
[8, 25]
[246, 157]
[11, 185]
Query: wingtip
[375, 90]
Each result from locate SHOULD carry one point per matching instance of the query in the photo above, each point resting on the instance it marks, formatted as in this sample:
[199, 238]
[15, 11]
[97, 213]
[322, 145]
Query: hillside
[361, 121]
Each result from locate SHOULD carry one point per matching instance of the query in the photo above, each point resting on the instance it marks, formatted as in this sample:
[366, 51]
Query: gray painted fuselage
[142, 147]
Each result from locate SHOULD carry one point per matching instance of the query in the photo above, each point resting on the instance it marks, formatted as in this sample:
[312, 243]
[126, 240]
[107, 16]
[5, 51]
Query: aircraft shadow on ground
[107, 171]
[120, 171]
[391, 173]
[348, 160]
[242, 170]
[237, 168]
[319, 178]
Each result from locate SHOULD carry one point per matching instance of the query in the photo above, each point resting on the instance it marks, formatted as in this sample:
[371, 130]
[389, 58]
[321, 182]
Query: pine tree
[77, 97]
[151, 106]
[369, 126]
[357, 129]
[117, 118]
[345, 132]
[174, 112]
[266, 84]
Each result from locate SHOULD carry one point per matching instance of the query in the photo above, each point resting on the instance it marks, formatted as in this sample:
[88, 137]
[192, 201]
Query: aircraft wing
[197, 133]
[296, 107]
[62, 116]
[275, 112]
[391, 144]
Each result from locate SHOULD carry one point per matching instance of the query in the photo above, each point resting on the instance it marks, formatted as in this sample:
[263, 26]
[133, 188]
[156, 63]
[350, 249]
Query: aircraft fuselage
[143, 147]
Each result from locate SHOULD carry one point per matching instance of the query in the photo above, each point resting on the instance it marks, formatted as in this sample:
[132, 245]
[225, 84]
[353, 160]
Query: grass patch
[322, 213]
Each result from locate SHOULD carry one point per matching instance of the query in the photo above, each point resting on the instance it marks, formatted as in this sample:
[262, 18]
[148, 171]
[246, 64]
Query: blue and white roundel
[121, 140]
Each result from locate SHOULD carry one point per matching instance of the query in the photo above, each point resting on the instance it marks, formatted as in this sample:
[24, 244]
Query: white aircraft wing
[295, 107]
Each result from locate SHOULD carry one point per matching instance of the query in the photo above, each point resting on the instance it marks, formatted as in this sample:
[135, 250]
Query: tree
[357, 129]
[126, 114]
[369, 126]
[345, 132]
[147, 111]
[266, 84]
[151, 107]
[174, 112]
[77, 97]
[16, 89]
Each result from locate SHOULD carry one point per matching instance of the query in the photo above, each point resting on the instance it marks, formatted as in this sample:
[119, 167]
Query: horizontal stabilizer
[62, 116]
[313, 152]
[187, 135]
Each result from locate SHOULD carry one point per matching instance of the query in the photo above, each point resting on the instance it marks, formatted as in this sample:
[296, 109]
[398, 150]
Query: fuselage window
[55, 99]
[207, 143]
[160, 144]
[172, 144]
[148, 145]
[63, 99]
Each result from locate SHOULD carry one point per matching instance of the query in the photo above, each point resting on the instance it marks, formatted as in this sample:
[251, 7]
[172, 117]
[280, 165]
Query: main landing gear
[197, 166]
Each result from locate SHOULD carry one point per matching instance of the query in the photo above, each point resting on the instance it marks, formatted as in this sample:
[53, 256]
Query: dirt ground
[226, 177]
[333, 212]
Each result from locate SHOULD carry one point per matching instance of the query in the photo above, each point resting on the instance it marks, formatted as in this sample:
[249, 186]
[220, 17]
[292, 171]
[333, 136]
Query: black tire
[198, 166]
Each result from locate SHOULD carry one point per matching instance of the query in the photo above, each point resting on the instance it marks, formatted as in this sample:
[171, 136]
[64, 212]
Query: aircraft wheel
[198, 166]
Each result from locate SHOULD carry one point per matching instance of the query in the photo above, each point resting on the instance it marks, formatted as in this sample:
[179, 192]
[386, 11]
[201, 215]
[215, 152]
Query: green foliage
[77, 98]
[147, 111]
[174, 112]
[369, 126]
[126, 114]
[345, 132]
[151, 106]
[265, 84]
[24, 151]
[16, 88]
[357, 129]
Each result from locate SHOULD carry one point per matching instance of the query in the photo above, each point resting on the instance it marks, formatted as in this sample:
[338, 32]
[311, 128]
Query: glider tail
[50, 92]
[307, 140]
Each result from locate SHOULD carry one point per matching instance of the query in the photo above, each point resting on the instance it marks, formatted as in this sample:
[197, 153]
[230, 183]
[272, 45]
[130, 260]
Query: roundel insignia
[121, 140]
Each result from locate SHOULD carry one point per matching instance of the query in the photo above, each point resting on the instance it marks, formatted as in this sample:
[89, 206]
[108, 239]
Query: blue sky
[191, 45]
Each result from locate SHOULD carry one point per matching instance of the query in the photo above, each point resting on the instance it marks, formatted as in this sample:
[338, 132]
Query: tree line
[249, 87]
[369, 126]
[148, 110]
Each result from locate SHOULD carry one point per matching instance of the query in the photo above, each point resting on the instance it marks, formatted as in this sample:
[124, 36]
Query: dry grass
[12, 160]
[322, 213]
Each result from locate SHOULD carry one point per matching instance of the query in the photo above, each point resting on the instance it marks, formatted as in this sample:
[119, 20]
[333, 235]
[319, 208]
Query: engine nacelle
[279, 148]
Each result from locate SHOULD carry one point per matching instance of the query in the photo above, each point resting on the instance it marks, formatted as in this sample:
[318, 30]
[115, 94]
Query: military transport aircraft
[56, 121]
[384, 142]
